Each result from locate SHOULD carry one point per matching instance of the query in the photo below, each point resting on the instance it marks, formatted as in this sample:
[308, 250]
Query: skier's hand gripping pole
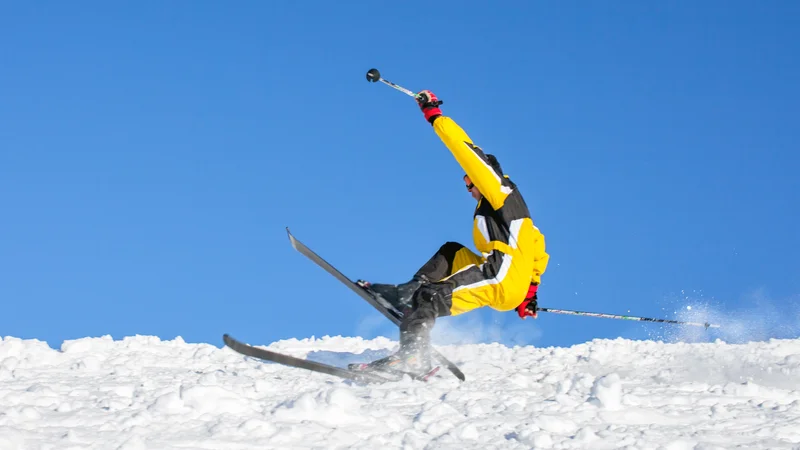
[529, 306]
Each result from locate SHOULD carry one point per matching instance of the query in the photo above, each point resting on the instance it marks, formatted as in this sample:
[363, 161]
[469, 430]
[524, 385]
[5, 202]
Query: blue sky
[153, 154]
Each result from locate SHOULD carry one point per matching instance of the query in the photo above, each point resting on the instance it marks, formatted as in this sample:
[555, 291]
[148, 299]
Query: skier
[456, 280]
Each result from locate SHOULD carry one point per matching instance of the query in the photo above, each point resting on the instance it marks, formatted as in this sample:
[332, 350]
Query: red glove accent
[429, 104]
[529, 305]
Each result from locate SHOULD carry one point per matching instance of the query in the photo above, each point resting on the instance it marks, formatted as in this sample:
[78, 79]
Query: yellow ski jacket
[502, 222]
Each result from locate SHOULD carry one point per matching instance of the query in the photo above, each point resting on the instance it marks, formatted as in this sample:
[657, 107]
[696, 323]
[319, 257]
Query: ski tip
[228, 340]
[291, 238]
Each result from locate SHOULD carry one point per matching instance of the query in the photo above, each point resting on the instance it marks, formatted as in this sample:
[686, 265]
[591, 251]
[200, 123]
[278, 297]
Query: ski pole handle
[374, 76]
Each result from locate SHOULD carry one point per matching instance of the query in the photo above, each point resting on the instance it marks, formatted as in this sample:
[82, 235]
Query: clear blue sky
[152, 154]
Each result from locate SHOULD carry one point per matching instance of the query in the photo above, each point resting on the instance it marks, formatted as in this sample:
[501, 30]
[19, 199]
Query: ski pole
[374, 76]
[616, 316]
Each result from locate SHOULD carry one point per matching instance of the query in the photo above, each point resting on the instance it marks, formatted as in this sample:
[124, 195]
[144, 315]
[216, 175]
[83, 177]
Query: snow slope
[144, 393]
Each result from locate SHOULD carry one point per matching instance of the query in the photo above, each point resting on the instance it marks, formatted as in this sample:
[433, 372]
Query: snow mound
[144, 392]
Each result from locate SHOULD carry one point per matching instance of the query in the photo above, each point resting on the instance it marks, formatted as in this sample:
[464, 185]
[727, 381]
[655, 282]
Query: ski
[365, 368]
[280, 358]
[387, 310]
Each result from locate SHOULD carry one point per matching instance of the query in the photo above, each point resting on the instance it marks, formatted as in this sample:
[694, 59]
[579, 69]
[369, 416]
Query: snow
[142, 392]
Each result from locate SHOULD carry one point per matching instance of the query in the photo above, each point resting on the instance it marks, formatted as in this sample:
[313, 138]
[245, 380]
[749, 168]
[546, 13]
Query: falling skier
[456, 280]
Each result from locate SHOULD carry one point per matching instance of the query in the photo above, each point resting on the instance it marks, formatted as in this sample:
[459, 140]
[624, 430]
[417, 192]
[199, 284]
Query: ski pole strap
[617, 316]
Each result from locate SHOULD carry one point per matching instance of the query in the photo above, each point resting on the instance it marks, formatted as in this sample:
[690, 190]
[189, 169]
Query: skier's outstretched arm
[493, 186]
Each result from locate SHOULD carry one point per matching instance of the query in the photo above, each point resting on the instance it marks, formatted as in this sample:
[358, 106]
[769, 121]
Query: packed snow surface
[144, 393]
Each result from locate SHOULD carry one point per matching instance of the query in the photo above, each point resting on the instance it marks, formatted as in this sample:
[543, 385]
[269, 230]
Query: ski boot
[413, 358]
[397, 295]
